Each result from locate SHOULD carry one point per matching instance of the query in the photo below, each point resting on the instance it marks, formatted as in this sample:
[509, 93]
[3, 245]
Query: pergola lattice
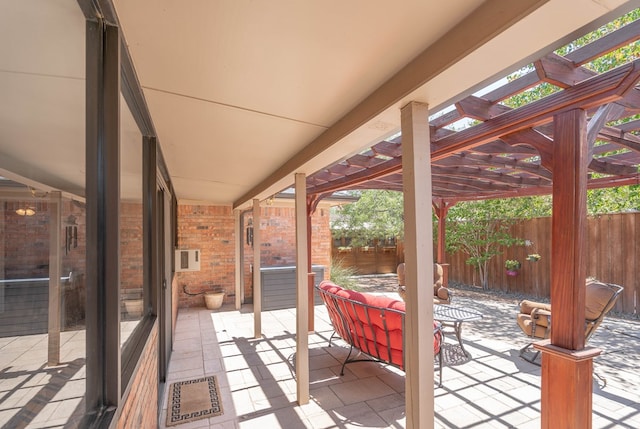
[508, 153]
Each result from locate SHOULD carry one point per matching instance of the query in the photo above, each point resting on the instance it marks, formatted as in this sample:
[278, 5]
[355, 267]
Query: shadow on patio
[493, 388]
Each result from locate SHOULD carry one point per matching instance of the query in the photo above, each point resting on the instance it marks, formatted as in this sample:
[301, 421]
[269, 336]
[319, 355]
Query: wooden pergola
[509, 152]
[585, 135]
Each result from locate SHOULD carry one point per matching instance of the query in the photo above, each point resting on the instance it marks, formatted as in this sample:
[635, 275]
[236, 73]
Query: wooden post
[310, 274]
[302, 286]
[567, 380]
[416, 168]
[55, 292]
[566, 365]
[442, 208]
[257, 286]
[239, 258]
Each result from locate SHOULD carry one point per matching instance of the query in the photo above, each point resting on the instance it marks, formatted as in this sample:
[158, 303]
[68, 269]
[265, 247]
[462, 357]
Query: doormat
[192, 400]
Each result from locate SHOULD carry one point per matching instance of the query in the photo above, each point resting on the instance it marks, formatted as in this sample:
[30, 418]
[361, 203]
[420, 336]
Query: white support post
[2, 255]
[419, 357]
[238, 253]
[257, 286]
[55, 244]
[302, 297]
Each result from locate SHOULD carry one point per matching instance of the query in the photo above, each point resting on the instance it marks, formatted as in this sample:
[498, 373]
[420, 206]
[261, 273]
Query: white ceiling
[244, 93]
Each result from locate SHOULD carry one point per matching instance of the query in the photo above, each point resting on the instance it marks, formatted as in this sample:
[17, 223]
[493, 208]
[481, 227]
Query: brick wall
[321, 240]
[140, 406]
[278, 231]
[25, 241]
[211, 229]
[131, 249]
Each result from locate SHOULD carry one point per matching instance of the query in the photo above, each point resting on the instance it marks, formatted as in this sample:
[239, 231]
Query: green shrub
[343, 276]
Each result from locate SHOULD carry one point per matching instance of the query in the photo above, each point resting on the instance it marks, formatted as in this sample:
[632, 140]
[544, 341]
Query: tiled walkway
[33, 394]
[493, 389]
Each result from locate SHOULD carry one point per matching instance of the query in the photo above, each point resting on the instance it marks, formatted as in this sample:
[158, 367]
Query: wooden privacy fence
[612, 252]
[376, 259]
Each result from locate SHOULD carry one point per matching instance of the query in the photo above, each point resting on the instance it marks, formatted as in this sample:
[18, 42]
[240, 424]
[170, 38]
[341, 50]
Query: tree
[481, 230]
[376, 214]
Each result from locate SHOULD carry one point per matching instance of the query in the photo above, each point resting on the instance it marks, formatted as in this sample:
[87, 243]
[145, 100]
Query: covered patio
[130, 109]
[580, 134]
[494, 388]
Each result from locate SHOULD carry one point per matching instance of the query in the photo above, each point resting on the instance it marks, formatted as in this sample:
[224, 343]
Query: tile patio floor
[492, 389]
[35, 395]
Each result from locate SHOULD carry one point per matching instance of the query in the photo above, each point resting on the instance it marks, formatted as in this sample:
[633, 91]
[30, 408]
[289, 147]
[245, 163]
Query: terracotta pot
[134, 307]
[213, 300]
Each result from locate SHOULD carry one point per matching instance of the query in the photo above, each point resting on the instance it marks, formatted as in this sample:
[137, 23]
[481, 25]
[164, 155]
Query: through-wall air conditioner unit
[188, 260]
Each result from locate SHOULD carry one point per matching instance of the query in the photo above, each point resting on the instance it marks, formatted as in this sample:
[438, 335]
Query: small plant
[512, 264]
[534, 257]
[343, 276]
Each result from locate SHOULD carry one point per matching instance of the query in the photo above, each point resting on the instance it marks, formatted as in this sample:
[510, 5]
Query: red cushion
[329, 286]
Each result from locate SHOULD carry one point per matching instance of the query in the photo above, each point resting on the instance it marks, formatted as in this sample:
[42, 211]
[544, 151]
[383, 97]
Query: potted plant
[534, 257]
[512, 266]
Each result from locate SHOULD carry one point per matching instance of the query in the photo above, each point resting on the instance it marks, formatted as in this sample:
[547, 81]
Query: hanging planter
[534, 257]
[512, 267]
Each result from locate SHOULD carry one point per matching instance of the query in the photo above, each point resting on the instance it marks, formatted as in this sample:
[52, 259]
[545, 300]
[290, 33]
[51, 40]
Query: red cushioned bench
[371, 324]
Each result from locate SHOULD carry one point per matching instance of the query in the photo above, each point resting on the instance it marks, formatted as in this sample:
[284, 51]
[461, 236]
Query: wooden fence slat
[629, 270]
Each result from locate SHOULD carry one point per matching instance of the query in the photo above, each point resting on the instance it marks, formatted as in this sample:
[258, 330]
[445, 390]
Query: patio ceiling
[508, 151]
[244, 94]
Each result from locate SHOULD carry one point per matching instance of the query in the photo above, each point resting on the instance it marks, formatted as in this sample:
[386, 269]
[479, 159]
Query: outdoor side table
[455, 316]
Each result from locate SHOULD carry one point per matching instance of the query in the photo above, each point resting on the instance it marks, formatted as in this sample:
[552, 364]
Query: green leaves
[481, 229]
[376, 215]
[613, 200]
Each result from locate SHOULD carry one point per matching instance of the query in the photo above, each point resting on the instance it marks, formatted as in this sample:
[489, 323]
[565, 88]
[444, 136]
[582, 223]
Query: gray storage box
[279, 286]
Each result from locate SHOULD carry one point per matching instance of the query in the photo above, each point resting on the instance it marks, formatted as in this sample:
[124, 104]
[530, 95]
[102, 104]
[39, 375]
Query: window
[42, 215]
[132, 279]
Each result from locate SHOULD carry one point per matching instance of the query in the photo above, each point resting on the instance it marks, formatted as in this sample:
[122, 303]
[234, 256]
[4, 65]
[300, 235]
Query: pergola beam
[592, 92]
[496, 162]
[467, 183]
[377, 171]
[498, 177]
[614, 40]
[559, 71]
